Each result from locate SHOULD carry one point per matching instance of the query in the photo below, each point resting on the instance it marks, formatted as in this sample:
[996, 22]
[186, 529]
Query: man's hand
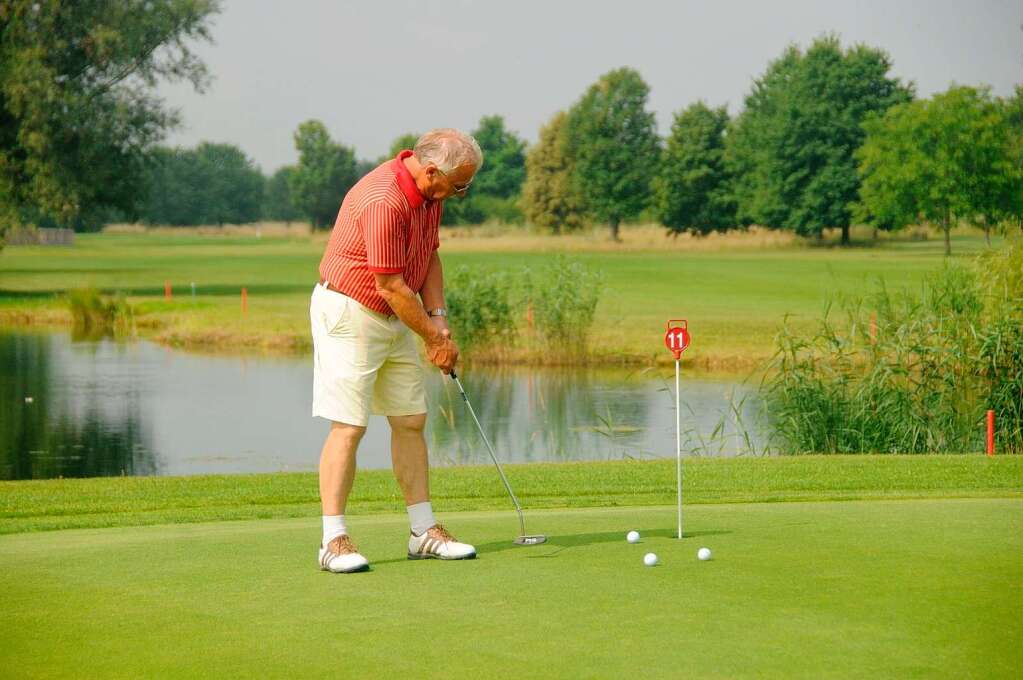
[442, 325]
[442, 351]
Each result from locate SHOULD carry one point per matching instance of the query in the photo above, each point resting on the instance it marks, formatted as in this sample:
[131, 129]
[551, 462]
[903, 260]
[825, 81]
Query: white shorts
[363, 362]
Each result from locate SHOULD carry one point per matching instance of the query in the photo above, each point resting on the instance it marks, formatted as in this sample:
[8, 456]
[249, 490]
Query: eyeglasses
[459, 189]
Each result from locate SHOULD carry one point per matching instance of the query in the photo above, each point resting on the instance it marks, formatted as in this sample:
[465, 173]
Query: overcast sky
[373, 70]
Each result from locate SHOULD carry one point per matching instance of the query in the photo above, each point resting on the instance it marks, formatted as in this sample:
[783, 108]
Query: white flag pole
[678, 444]
[676, 339]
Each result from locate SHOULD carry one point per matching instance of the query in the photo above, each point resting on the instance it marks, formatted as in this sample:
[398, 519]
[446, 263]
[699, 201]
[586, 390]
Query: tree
[550, 198]
[614, 146]
[77, 113]
[692, 190]
[791, 149]
[233, 186]
[173, 188]
[498, 184]
[401, 142]
[212, 184]
[504, 170]
[940, 160]
[325, 172]
[277, 203]
[1013, 114]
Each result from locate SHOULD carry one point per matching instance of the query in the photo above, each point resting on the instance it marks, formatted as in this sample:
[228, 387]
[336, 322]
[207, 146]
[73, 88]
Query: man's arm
[433, 292]
[441, 351]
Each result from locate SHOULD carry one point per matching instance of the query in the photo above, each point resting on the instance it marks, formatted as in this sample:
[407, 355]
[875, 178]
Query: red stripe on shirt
[385, 226]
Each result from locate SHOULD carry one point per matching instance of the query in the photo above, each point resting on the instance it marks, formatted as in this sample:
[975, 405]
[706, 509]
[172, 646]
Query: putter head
[535, 539]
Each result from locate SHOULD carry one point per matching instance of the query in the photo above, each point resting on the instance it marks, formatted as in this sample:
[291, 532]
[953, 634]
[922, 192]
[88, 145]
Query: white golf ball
[650, 559]
[632, 537]
[703, 554]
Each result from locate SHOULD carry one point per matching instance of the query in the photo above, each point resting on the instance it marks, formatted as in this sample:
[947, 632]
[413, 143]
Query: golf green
[914, 588]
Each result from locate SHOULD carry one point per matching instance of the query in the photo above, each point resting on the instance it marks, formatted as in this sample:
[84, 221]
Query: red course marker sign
[676, 338]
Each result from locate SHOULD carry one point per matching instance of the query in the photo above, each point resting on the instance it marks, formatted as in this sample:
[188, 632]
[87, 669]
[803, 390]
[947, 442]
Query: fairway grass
[42, 505]
[735, 296]
[882, 589]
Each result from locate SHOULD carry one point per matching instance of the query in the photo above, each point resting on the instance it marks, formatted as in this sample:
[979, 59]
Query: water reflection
[103, 408]
[579, 414]
[66, 418]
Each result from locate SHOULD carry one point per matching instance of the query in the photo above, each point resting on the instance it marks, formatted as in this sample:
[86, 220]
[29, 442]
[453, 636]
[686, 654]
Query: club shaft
[678, 443]
[493, 456]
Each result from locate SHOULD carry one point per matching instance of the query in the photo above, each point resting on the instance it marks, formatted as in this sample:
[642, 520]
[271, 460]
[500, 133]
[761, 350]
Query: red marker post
[990, 433]
[676, 339]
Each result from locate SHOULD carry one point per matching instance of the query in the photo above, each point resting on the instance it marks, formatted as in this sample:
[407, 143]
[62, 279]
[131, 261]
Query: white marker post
[676, 339]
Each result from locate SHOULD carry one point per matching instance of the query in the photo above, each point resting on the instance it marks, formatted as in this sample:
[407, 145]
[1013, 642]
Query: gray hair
[448, 149]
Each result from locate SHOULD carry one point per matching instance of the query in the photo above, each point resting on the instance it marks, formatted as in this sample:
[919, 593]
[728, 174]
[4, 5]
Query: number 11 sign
[676, 339]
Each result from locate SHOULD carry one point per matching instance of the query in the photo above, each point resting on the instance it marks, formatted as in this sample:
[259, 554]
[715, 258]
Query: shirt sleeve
[383, 228]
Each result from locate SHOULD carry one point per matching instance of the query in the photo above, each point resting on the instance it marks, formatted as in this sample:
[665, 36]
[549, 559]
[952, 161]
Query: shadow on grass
[560, 543]
[184, 291]
[852, 244]
[578, 540]
[29, 294]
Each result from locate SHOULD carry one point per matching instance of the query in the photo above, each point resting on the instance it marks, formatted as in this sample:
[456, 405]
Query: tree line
[826, 138]
[218, 183]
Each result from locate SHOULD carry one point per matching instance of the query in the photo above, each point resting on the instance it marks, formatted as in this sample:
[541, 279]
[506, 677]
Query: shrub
[562, 298]
[95, 316]
[1001, 343]
[905, 373]
[479, 307]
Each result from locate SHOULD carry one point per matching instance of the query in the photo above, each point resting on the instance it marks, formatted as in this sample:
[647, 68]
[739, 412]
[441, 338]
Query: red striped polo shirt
[385, 226]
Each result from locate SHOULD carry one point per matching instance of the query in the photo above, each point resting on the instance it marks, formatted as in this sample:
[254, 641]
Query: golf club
[524, 538]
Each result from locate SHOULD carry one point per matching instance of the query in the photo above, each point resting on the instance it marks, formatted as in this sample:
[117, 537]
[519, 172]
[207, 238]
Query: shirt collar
[405, 181]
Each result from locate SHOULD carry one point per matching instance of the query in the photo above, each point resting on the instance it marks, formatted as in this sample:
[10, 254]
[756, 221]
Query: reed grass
[549, 308]
[95, 315]
[905, 373]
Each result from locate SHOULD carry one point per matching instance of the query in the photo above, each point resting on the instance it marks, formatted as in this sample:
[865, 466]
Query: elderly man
[381, 255]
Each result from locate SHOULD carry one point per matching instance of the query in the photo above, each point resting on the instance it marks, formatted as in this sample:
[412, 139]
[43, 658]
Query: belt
[326, 284]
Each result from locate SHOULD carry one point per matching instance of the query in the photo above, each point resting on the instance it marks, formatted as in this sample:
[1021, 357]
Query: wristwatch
[440, 311]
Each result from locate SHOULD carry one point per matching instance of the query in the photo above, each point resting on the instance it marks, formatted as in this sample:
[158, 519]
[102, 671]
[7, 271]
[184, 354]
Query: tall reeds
[542, 315]
[96, 316]
[908, 373]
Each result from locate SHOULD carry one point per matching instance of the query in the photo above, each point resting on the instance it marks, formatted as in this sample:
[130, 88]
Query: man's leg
[337, 472]
[409, 458]
[412, 469]
[337, 466]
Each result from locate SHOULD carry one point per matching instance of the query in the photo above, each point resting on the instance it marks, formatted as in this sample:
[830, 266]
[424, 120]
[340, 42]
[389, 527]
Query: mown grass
[735, 294]
[926, 588]
[105, 502]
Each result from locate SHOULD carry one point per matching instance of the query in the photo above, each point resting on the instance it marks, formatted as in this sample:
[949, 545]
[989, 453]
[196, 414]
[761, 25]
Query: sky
[374, 70]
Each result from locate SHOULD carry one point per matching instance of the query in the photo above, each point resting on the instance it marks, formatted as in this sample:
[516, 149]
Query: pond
[102, 408]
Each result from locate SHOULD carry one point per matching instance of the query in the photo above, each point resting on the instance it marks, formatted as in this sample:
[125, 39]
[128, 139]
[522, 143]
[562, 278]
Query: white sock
[420, 516]
[333, 526]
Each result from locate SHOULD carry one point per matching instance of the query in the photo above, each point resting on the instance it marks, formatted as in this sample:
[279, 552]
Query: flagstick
[676, 339]
[678, 445]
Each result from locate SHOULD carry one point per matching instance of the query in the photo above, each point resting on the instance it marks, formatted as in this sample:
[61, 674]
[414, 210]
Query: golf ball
[632, 537]
[650, 559]
[703, 554]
